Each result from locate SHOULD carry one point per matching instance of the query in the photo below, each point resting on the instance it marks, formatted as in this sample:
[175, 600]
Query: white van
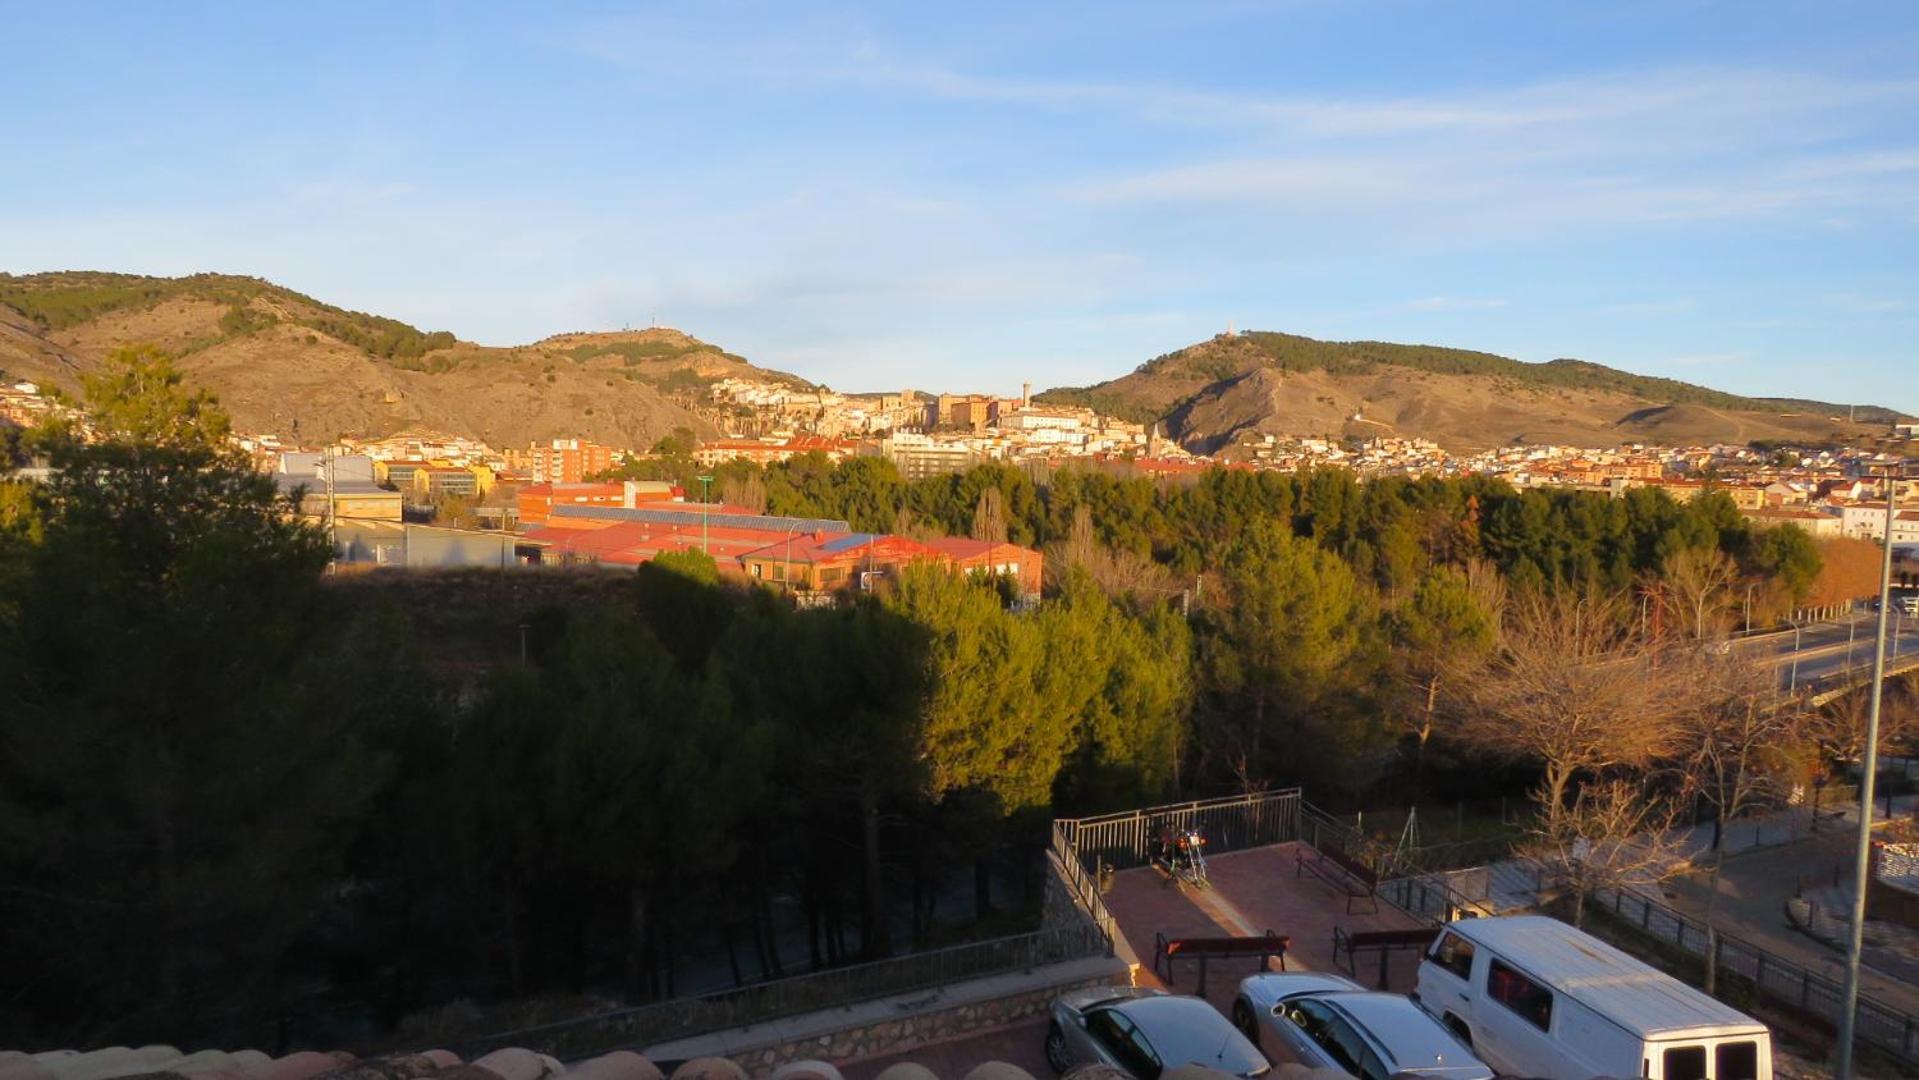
[1534, 997]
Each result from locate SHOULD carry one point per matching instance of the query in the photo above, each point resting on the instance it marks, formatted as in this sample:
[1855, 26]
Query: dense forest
[241, 800]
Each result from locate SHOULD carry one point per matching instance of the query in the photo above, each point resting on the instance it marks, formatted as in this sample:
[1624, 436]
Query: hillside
[291, 365]
[1210, 394]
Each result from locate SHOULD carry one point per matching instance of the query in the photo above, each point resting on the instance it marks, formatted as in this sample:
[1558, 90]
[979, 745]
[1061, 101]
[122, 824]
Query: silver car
[1144, 1031]
[1331, 1021]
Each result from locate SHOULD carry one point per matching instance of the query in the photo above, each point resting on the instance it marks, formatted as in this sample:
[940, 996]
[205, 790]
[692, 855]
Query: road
[1823, 650]
[1753, 890]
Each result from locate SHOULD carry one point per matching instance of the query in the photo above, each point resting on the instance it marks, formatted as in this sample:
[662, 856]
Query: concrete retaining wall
[897, 1024]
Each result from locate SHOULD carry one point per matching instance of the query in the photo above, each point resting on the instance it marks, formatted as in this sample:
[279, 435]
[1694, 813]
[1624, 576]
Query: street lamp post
[1862, 857]
[1749, 588]
[705, 548]
[1796, 628]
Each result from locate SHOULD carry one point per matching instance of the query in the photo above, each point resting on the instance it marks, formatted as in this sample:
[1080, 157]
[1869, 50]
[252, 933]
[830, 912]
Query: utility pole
[705, 548]
[1862, 858]
[332, 515]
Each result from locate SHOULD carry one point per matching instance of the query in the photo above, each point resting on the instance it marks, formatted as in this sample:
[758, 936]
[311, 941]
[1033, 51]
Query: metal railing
[745, 1006]
[1433, 899]
[1084, 885]
[1124, 840]
[1772, 977]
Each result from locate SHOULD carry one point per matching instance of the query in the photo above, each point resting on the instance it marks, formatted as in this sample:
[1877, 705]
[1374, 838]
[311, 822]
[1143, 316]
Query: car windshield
[1188, 1031]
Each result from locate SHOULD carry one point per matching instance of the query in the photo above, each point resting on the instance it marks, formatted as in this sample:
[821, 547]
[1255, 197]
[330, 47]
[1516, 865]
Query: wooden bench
[1340, 870]
[1166, 950]
[1385, 942]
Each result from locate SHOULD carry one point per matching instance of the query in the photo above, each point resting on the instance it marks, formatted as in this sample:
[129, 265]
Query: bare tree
[1574, 690]
[1838, 728]
[1743, 739]
[1615, 834]
[748, 491]
[989, 517]
[1117, 571]
[1699, 584]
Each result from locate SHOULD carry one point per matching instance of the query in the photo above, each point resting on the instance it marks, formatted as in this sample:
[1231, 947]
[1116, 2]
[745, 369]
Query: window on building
[1532, 1002]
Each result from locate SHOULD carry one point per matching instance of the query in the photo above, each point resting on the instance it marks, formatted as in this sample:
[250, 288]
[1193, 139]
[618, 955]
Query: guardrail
[1773, 977]
[1124, 840]
[1084, 885]
[758, 1003]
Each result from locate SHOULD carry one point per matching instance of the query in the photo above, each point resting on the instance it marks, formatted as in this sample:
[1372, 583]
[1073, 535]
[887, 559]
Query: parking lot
[1252, 892]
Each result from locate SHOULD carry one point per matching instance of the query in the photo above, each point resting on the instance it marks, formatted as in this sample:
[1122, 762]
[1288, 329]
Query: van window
[1736, 1061]
[1685, 1063]
[1455, 954]
[1532, 1002]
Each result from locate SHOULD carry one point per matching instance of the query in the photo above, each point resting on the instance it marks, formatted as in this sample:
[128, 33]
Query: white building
[1869, 523]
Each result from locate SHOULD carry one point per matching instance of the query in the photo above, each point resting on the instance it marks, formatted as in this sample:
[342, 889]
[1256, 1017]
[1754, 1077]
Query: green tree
[179, 772]
[1444, 632]
[1283, 644]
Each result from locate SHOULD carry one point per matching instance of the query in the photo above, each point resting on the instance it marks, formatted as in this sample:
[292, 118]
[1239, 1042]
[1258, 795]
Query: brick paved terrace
[1252, 891]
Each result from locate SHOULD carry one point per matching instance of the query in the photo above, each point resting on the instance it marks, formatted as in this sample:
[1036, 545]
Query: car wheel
[1243, 1020]
[1056, 1048]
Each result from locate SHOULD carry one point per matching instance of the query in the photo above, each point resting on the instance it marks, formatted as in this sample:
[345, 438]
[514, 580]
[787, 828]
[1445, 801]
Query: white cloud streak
[1454, 303]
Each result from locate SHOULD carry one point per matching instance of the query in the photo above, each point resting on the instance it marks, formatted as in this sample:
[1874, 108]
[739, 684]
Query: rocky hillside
[1211, 394]
[288, 364]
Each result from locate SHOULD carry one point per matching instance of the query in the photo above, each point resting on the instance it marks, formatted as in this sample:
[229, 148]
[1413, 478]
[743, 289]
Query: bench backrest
[1227, 946]
[1369, 939]
[1353, 866]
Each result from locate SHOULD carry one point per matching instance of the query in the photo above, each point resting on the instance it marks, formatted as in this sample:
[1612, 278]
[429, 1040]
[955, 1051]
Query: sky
[889, 196]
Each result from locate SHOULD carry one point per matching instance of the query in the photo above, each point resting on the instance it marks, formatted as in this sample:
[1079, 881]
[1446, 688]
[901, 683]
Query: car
[1144, 1031]
[1330, 1021]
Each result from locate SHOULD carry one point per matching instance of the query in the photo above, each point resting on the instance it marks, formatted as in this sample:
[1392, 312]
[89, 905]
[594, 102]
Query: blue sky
[878, 196]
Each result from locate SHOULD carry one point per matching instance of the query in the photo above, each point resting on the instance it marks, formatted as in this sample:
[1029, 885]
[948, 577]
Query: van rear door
[1737, 1057]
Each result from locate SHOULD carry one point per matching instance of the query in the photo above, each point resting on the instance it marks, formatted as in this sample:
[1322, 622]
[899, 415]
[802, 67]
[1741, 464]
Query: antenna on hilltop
[1229, 328]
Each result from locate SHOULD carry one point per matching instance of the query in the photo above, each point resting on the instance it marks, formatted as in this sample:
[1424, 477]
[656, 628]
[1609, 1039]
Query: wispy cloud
[1454, 303]
[1678, 305]
[1714, 359]
[1866, 305]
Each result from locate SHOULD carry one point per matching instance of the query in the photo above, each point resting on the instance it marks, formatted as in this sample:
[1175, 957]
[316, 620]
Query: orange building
[561, 461]
[537, 501]
[985, 557]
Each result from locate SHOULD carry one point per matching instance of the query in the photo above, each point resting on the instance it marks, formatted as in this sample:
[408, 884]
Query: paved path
[1753, 890]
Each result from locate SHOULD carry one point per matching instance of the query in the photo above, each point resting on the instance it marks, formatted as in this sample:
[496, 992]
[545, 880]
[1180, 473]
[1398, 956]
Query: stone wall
[1892, 893]
[1058, 906]
[896, 1034]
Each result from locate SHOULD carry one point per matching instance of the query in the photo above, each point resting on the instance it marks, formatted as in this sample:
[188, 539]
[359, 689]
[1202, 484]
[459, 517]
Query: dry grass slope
[288, 364]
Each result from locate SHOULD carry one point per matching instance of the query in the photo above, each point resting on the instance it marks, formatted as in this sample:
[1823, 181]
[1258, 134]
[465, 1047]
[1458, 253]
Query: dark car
[1144, 1032]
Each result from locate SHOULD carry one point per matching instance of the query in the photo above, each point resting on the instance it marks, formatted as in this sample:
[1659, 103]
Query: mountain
[1210, 394]
[288, 364]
